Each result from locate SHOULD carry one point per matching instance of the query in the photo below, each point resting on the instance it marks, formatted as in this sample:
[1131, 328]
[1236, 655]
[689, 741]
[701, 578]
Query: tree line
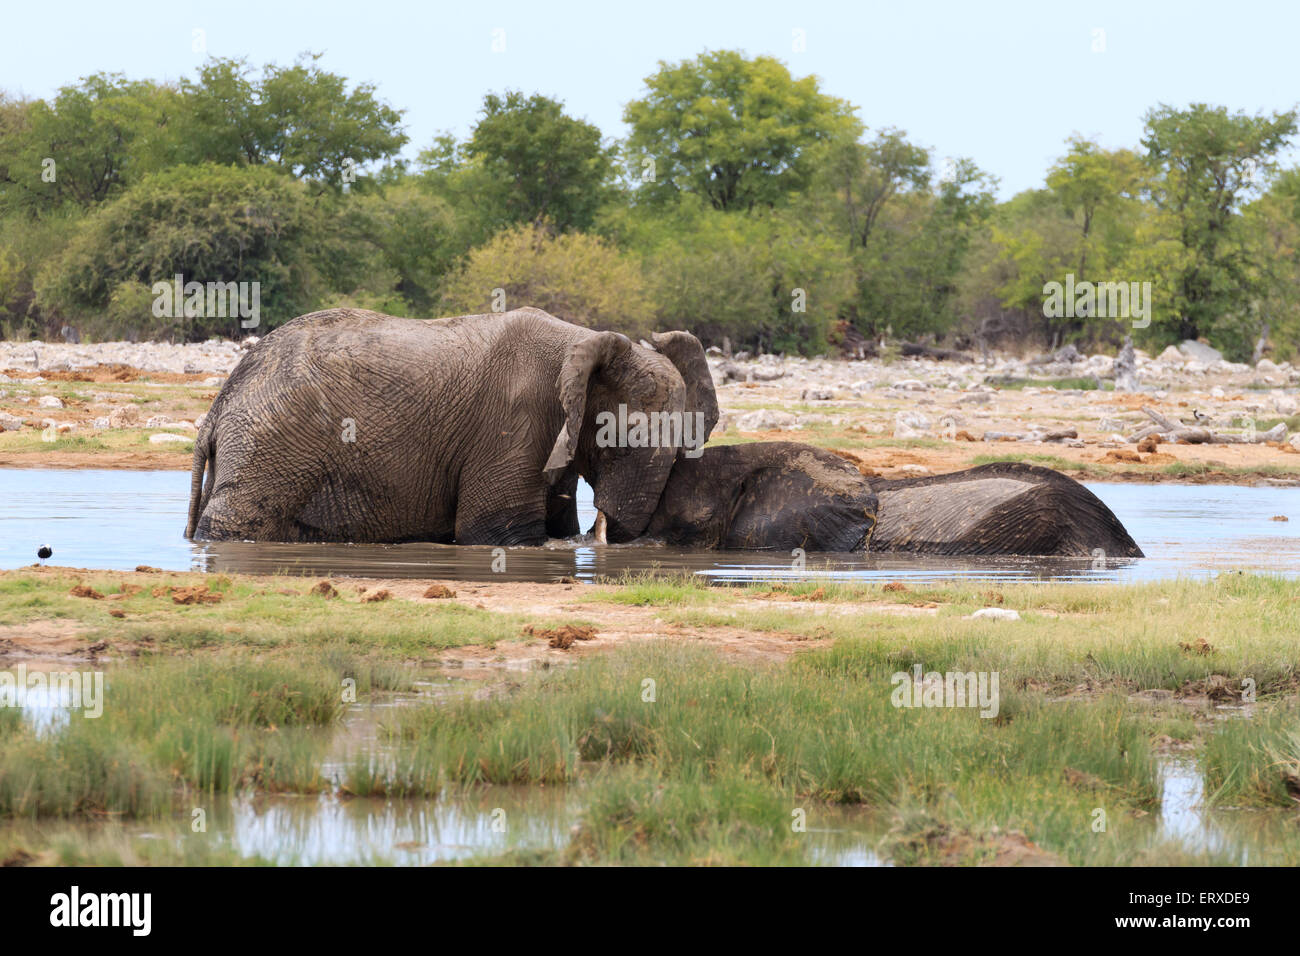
[746, 204]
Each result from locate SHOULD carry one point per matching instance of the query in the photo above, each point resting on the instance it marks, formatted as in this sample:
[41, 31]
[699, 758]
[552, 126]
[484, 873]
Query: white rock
[766, 419]
[911, 425]
[913, 471]
[166, 438]
[158, 421]
[10, 423]
[50, 401]
[1200, 351]
[124, 416]
[997, 614]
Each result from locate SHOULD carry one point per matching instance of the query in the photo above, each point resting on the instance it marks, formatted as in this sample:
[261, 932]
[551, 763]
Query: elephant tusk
[598, 529]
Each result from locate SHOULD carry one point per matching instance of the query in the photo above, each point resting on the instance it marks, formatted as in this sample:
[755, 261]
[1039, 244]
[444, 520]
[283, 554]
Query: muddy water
[121, 519]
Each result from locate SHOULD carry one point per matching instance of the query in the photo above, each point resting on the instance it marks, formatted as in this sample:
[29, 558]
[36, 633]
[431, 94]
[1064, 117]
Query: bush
[576, 277]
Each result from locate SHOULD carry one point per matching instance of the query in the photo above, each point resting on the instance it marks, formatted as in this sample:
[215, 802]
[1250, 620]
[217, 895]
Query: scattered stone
[911, 425]
[766, 420]
[912, 471]
[10, 423]
[816, 395]
[1199, 352]
[168, 438]
[50, 401]
[124, 416]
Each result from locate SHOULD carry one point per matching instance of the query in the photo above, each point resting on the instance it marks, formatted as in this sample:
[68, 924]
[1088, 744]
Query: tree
[866, 176]
[302, 118]
[1207, 162]
[735, 131]
[542, 164]
[1093, 184]
[87, 145]
[771, 280]
[206, 223]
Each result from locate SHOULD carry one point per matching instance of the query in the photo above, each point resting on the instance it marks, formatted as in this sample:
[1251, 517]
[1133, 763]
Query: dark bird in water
[43, 552]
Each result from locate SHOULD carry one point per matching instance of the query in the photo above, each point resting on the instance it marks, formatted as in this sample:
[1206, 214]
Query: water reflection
[121, 519]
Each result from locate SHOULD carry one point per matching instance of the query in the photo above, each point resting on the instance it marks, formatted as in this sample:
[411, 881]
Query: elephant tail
[204, 454]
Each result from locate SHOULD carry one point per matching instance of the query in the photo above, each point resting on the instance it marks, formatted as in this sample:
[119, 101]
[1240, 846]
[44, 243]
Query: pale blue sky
[1003, 83]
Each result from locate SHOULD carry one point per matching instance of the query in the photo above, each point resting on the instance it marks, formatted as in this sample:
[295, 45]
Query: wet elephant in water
[1000, 508]
[349, 425]
[783, 495]
[765, 495]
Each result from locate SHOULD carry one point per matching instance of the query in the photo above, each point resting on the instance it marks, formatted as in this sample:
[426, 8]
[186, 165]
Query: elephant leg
[233, 517]
[499, 511]
[562, 507]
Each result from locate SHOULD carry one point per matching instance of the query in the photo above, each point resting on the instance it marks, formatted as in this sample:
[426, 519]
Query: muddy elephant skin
[348, 425]
[765, 495]
[1000, 508]
[783, 495]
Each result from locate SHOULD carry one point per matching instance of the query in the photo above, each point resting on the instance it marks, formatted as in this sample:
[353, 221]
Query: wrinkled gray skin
[1001, 508]
[782, 495]
[471, 430]
[765, 495]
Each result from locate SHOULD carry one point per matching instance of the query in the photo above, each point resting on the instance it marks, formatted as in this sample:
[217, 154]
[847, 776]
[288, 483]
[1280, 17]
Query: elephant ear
[584, 360]
[687, 355]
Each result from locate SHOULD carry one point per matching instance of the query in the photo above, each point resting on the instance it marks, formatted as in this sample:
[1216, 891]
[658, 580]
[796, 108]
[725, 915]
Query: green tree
[85, 146]
[1207, 162]
[736, 131]
[206, 223]
[542, 164]
[302, 118]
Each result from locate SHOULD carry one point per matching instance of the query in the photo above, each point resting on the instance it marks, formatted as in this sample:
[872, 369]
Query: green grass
[1084, 383]
[252, 613]
[1255, 762]
[172, 726]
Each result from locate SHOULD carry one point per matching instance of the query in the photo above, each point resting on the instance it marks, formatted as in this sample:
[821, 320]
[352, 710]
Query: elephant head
[766, 495]
[630, 411]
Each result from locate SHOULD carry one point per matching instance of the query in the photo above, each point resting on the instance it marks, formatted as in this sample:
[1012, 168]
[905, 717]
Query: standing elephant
[347, 425]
